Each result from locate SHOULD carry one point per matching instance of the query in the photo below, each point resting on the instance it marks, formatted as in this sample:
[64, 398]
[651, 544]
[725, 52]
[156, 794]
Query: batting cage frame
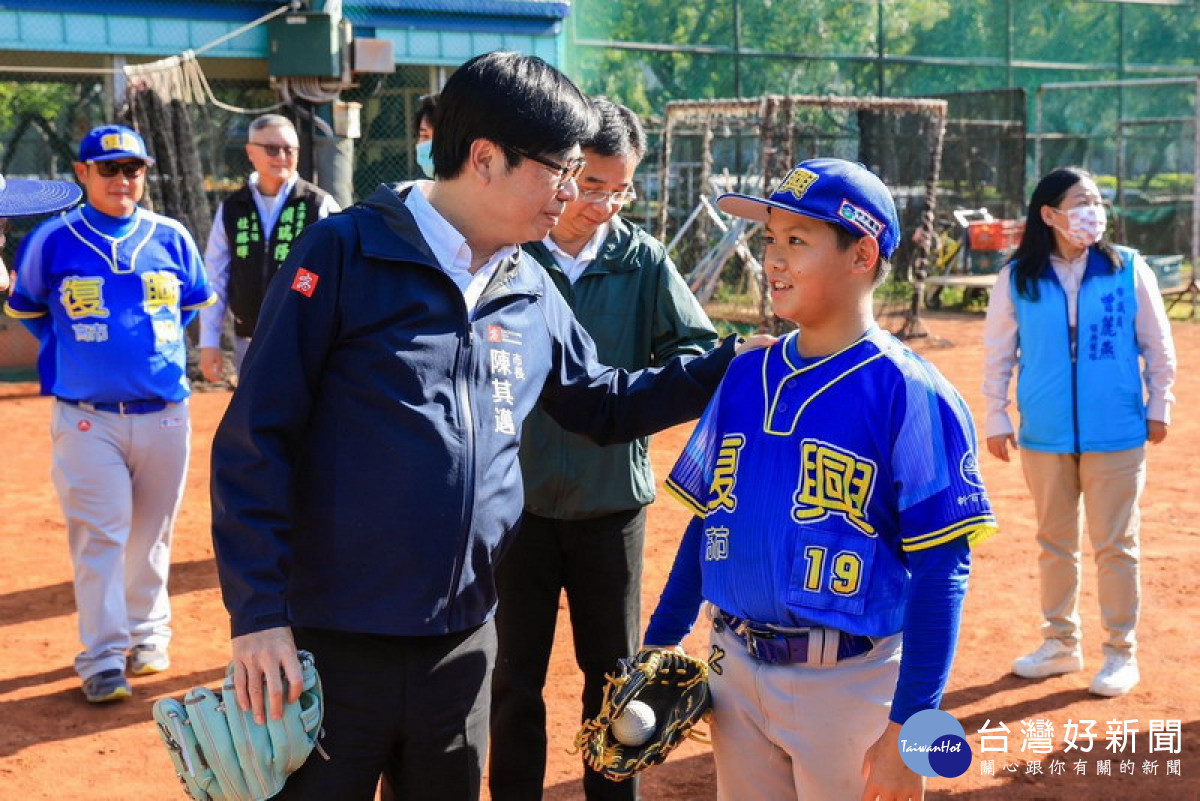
[775, 128]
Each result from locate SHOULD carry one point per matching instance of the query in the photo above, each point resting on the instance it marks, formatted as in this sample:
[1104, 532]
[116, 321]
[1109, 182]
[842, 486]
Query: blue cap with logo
[110, 142]
[834, 190]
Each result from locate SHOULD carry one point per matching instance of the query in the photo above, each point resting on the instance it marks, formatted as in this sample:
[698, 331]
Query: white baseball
[635, 724]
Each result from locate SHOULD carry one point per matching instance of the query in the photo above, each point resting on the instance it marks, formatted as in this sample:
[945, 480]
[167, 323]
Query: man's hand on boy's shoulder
[754, 342]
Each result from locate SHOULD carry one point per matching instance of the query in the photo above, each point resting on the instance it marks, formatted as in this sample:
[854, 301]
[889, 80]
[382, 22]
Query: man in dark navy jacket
[365, 476]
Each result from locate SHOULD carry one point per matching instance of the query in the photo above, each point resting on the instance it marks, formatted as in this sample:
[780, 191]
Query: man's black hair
[513, 100]
[620, 132]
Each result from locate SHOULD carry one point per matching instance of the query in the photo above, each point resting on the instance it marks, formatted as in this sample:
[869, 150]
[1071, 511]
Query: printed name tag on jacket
[305, 282]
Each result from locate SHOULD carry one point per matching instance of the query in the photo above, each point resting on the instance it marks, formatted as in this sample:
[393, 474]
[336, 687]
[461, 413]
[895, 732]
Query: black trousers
[599, 564]
[412, 709]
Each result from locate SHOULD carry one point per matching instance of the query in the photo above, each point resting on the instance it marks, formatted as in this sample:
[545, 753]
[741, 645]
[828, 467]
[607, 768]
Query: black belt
[121, 407]
[775, 647]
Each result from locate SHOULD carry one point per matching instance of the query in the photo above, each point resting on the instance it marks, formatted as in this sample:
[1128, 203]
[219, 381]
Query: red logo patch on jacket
[305, 282]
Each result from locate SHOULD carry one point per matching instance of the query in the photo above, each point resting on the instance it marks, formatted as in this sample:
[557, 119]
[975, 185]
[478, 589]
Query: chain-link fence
[1143, 150]
[988, 58]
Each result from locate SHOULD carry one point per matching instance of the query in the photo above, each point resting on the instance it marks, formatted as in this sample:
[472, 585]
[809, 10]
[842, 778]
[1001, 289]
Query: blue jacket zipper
[1073, 344]
[467, 420]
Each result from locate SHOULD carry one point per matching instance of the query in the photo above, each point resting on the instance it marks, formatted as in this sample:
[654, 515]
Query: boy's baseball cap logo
[797, 182]
[861, 219]
[933, 743]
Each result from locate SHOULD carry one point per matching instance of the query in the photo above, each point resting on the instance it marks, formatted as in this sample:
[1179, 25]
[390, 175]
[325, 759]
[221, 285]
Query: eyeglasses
[619, 198]
[275, 150]
[566, 172]
[110, 169]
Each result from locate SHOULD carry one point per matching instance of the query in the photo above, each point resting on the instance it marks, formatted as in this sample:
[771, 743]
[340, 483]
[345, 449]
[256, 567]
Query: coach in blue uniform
[835, 490]
[365, 476]
[110, 288]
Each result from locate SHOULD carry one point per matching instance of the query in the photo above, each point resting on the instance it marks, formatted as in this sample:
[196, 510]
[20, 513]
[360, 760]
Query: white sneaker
[1050, 659]
[1118, 676]
[145, 660]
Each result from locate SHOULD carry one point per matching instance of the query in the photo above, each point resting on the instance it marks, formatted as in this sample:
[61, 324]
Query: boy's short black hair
[620, 132]
[846, 240]
[426, 105]
[513, 100]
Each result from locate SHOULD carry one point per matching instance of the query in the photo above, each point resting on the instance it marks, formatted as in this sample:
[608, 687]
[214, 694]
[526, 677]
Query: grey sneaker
[1118, 676]
[147, 659]
[105, 686]
[1050, 659]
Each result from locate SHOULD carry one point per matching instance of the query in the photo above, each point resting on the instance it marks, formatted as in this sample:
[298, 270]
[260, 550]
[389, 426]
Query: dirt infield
[53, 745]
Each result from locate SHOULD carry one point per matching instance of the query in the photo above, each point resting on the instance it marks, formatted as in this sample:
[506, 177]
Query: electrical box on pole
[307, 45]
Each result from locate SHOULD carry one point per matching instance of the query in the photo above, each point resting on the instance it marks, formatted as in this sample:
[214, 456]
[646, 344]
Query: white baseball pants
[797, 731]
[120, 479]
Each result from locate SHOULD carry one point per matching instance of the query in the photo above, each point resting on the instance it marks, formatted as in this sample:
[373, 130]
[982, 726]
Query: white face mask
[1085, 225]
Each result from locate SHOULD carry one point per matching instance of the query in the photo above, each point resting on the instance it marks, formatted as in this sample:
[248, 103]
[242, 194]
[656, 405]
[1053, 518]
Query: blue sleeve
[253, 451]
[690, 480]
[610, 405]
[28, 296]
[680, 601]
[196, 293]
[931, 620]
[935, 464]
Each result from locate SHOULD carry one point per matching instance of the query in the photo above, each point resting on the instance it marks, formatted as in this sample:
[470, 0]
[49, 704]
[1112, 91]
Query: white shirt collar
[574, 266]
[269, 208]
[284, 190]
[450, 248]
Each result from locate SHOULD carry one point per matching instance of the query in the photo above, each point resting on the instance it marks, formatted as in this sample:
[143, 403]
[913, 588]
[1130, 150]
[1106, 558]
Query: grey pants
[120, 479]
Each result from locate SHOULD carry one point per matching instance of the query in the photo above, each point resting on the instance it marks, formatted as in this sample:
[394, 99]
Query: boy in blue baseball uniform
[836, 495]
[109, 288]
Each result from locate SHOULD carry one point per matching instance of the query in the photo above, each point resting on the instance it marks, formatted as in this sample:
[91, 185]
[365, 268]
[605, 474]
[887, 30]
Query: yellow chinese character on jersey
[833, 481]
[797, 182]
[161, 290]
[725, 473]
[82, 297]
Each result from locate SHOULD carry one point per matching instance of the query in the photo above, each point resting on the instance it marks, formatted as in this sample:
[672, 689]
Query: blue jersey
[815, 479]
[115, 304]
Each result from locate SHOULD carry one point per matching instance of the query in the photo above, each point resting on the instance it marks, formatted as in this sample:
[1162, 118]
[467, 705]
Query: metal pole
[1037, 133]
[307, 162]
[664, 176]
[737, 48]
[1008, 42]
[737, 86]
[1195, 197]
[881, 49]
[1120, 122]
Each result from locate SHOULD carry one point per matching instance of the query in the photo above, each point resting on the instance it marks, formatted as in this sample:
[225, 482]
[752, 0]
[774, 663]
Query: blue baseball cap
[833, 190]
[23, 198]
[110, 142]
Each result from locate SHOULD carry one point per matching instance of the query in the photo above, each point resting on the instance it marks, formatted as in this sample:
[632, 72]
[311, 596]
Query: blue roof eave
[366, 12]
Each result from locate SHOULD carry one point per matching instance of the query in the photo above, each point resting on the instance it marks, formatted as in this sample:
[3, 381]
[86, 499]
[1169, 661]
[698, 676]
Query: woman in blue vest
[1080, 316]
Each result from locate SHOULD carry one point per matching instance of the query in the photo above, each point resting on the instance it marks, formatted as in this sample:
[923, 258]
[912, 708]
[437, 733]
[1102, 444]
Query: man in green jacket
[585, 505]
